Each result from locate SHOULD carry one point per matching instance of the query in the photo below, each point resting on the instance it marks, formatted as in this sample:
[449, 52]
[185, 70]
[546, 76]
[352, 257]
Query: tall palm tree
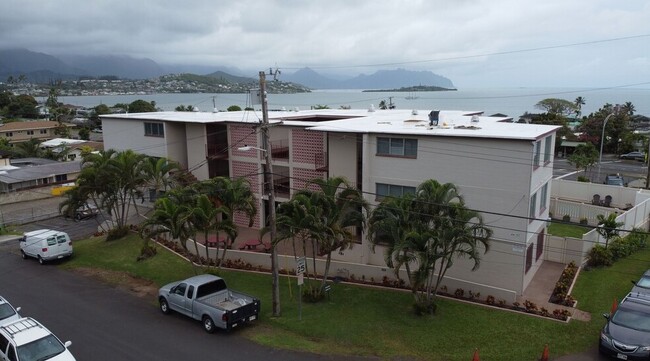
[342, 209]
[29, 149]
[232, 196]
[628, 108]
[579, 102]
[158, 172]
[204, 218]
[608, 227]
[425, 233]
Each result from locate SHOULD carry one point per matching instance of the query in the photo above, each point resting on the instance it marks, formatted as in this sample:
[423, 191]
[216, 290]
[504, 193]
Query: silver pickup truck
[206, 298]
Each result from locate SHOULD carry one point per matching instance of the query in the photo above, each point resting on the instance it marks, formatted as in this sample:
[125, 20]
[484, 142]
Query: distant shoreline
[418, 88]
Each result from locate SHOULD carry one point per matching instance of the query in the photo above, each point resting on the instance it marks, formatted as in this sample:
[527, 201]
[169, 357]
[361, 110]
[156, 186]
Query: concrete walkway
[541, 287]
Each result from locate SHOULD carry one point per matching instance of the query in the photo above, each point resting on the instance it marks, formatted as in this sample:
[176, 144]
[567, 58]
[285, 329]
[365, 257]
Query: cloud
[438, 35]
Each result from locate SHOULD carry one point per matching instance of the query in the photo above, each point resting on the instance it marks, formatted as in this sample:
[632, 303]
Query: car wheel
[22, 254]
[41, 260]
[208, 325]
[77, 217]
[164, 306]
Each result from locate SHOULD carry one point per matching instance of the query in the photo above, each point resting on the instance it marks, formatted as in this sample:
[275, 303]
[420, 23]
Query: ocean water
[510, 101]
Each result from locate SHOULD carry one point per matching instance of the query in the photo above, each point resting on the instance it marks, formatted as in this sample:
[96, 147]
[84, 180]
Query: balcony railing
[280, 149]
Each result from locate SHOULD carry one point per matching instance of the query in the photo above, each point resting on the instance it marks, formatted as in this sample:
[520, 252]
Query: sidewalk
[541, 287]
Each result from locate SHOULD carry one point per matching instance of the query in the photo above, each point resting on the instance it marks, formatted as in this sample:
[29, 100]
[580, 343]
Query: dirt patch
[122, 280]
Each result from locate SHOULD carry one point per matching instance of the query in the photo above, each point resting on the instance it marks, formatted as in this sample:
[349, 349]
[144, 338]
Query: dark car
[634, 156]
[643, 284]
[626, 335]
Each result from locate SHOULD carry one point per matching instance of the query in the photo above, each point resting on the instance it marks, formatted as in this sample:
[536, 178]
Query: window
[154, 129]
[10, 134]
[529, 257]
[540, 245]
[391, 190]
[51, 241]
[3, 343]
[180, 289]
[543, 196]
[43, 131]
[531, 213]
[547, 149]
[11, 353]
[190, 292]
[397, 147]
[30, 132]
[61, 239]
[537, 149]
[61, 177]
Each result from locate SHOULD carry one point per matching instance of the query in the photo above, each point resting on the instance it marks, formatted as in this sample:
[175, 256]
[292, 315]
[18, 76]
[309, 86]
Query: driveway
[106, 324]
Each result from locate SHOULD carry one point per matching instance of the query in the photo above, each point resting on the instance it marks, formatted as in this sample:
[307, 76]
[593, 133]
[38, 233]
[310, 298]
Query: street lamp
[602, 135]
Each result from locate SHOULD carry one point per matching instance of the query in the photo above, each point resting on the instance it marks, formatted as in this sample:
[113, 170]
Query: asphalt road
[108, 324]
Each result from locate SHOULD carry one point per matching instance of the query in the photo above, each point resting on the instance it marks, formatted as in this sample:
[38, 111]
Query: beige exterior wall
[196, 150]
[176, 143]
[121, 134]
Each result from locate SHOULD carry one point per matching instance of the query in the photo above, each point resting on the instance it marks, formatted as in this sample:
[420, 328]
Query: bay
[510, 101]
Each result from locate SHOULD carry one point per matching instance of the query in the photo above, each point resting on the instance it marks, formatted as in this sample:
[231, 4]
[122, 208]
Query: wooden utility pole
[268, 177]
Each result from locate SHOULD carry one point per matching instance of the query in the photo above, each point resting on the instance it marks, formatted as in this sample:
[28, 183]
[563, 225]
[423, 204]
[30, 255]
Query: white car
[45, 245]
[27, 340]
[8, 313]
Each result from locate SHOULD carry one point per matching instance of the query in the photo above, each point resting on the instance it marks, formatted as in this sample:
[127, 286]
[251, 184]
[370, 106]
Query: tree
[383, 105]
[579, 102]
[320, 106]
[608, 227]
[158, 172]
[557, 106]
[231, 196]
[84, 133]
[628, 108]
[100, 109]
[234, 108]
[425, 233]
[183, 108]
[584, 157]
[29, 149]
[114, 180]
[141, 106]
[333, 213]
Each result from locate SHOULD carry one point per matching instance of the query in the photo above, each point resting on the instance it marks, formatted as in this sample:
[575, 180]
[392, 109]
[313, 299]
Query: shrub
[424, 308]
[530, 306]
[501, 303]
[490, 300]
[599, 256]
[117, 233]
[584, 221]
[459, 293]
[582, 178]
[473, 295]
[147, 251]
[312, 294]
[566, 218]
[620, 248]
[561, 314]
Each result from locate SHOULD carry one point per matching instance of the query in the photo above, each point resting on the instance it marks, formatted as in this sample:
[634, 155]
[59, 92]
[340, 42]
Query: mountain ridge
[45, 68]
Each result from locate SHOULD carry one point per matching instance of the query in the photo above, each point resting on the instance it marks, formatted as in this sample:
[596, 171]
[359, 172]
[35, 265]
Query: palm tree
[608, 226]
[232, 196]
[341, 209]
[158, 172]
[628, 108]
[579, 102]
[28, 149]
[204, 218]
[425, 233]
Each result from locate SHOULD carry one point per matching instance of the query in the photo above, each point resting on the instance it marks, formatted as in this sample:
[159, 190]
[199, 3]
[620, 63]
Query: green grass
[567, 230]
[370, 321]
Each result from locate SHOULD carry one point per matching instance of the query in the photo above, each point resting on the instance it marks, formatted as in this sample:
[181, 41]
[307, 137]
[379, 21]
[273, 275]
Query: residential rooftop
[452, 123]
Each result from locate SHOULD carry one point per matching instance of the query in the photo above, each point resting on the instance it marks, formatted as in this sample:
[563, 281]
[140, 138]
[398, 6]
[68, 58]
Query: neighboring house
[17, 132]
[73, 147]
[503, 169]
[34, 173]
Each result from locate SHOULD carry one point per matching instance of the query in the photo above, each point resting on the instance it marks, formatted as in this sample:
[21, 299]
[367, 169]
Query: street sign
[301, 279]
[301, 265]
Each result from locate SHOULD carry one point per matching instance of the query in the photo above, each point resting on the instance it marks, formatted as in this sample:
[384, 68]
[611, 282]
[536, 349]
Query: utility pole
[268, 176]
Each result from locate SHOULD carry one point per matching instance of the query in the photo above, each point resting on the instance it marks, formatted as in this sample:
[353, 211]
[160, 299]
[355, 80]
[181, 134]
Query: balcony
[280, 149]
[217, 151]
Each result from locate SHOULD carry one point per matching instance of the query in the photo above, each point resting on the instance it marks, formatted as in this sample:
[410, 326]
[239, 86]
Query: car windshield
[644, 282]
[41, 349]
[632, 319]
[6, 311]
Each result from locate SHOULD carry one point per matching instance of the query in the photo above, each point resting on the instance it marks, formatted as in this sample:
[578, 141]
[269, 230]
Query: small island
[416, 88]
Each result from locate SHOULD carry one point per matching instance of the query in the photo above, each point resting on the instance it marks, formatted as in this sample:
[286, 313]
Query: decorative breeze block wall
[302, 176]
[241, 135]
[305, 145]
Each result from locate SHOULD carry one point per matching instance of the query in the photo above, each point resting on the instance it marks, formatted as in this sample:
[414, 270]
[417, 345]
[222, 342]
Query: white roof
[59, 141]
[452, 123]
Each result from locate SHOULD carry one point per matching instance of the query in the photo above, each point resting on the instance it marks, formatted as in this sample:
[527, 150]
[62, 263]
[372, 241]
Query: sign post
[301, 266]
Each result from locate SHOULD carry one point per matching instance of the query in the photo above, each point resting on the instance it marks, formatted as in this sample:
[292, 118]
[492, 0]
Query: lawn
[567, 230]
[370, 321]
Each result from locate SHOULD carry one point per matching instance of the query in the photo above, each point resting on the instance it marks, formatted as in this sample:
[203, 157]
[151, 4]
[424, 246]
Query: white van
[45, 245]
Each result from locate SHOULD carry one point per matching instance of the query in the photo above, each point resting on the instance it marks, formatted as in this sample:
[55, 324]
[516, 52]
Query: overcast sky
[475, 43]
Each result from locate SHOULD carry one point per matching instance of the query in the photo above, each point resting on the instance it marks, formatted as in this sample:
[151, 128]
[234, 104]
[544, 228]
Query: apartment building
[17, 132]
[503, 169]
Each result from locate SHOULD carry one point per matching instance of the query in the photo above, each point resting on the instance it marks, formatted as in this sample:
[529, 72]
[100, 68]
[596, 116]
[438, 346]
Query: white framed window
[543, 196]
[392, 190]
[537, 150]
[397, 147]
[548, 142]
[154, 129]
[533, 207]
